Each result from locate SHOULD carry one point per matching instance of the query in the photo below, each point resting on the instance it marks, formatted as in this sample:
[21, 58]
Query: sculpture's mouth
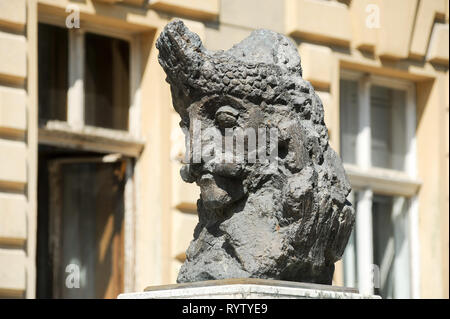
[195, 172]
[204, 177]
[205, 180]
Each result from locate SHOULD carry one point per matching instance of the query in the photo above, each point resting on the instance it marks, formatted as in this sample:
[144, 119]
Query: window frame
[367, 180]
[73, 133]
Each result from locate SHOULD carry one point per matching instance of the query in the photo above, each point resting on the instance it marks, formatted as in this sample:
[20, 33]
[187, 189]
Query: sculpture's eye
[226, 116]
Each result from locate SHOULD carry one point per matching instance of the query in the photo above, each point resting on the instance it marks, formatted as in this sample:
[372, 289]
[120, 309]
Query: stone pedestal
[247, 289]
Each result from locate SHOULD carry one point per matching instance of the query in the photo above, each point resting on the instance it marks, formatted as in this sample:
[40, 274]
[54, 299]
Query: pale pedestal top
[247, 288]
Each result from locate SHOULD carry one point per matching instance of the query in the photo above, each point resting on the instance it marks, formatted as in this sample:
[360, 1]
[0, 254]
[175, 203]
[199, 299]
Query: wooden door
[87, 227]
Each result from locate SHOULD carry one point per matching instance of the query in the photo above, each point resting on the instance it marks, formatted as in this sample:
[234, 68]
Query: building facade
[91, 202]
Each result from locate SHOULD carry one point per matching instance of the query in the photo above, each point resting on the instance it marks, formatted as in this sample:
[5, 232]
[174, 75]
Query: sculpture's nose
[212, 160]
[190, 172]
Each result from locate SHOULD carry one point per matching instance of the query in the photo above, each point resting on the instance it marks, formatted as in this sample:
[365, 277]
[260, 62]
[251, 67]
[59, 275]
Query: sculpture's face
[225, 170]
[220, 179]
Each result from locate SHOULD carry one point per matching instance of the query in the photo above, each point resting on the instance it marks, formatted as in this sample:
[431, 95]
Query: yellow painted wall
[409, 43]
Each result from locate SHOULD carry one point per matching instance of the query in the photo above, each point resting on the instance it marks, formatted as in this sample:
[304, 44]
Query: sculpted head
[282, 166]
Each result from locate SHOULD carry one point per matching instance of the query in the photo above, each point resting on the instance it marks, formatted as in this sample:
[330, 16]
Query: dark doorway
[80, 224]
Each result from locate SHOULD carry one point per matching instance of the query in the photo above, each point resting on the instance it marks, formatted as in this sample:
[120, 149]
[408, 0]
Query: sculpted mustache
[221, 169]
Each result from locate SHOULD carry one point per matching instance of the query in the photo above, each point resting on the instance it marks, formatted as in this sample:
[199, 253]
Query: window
[387, 122]
[86, 79]
[107, 74]
[53, 77]
[391, 246]
[377, 144]
[387, 125]
[89, 140]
